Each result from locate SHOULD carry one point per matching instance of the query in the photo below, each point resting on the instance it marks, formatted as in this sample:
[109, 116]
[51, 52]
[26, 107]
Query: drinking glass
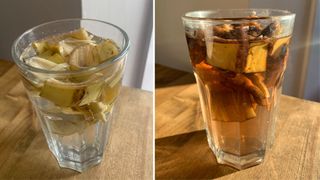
[76, 135]
[239, 57]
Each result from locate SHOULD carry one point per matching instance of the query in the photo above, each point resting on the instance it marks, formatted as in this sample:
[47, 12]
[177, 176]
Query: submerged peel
[84, 56]
[69, 94]
[225, 55]
[62, 94]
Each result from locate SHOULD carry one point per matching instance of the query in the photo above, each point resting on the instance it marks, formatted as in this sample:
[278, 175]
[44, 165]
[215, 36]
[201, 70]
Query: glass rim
[191, 15]
[98, 67]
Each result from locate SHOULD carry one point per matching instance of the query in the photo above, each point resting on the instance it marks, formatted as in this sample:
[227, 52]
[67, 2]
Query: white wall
[148, 75]
[135, 17]
[312, 84]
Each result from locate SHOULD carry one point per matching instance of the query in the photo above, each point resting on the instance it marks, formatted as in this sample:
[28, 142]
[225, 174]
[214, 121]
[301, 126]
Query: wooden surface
[182, 150]
[24, 153]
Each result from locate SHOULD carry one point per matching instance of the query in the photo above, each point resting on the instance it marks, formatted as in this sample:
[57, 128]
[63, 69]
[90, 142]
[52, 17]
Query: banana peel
[232, 106]
[68, 94]
[109, 94]
[225, 55]
[62, 94]
[92, 93]
[99, 110]
[84, 56]
[52, 56]
[80, 34]
[41, 63]
[278, 43]
[106, 50]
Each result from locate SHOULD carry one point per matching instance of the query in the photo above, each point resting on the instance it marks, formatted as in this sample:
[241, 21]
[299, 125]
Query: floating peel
[107, 49]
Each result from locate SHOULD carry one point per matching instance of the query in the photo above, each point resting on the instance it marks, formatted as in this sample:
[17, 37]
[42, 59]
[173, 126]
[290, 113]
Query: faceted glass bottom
[237, 161]
[79, 147]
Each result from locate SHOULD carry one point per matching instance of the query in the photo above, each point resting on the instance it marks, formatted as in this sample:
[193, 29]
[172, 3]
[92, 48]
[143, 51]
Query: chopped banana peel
[107, 49]
[244, 82]
[211, 76]
[77, 100]
[80, 34]
[233, 106]
[117, 79]
[86, 77]
[276, 48]
[84, 56]
[225, 56]
[257, 79]
[40, 46]
[68, 94]
[109, 94]
[99, 109]
[52, 56]
[41, 63]
[92, 92]
[257, 58]
[62, 94]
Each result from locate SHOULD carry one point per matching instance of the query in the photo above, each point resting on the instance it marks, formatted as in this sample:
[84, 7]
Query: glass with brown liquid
[239, 58]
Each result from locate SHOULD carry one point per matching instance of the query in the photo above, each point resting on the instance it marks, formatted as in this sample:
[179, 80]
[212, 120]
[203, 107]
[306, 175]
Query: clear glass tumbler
[239, 57]
[77, 135]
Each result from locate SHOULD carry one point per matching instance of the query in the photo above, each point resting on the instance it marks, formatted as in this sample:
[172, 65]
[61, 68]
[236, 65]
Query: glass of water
[73, 103]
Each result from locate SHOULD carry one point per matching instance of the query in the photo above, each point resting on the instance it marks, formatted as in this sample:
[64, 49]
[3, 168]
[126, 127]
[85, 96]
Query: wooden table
[24, 153]
[182, 150]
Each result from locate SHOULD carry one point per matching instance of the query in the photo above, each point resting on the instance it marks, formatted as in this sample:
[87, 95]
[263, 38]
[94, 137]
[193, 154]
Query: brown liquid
[238, 106]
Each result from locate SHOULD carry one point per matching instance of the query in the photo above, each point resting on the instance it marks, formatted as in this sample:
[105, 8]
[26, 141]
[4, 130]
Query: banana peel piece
[69, 44]
[92, 93]
[80, 34]
[276, 48]
[99, 109]
[225, 55]
[109, 94]
[62, 94]
[232, 106]
[107, 49]
[52, 56]
[40, 46]
[84, 56]
[41, 63]
[257, 57]
[69, 94]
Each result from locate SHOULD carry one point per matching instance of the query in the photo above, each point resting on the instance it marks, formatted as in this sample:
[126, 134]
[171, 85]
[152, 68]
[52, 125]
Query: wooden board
[182, 150]
[24, 153]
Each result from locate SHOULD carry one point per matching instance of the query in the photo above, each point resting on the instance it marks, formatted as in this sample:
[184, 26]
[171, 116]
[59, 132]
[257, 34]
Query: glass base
[80, 166]
[236, 161]
[76, 144]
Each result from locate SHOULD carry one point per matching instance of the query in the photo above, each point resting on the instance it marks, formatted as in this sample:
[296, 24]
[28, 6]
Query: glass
[239, 57]
[77, 136]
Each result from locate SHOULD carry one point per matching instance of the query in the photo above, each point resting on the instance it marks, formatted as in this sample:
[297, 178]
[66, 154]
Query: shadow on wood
[166, 77]
[187, 156]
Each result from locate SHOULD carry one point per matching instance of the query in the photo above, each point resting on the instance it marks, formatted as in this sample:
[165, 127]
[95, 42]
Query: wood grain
[187, 156]
[24, 153]
[182, 150]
